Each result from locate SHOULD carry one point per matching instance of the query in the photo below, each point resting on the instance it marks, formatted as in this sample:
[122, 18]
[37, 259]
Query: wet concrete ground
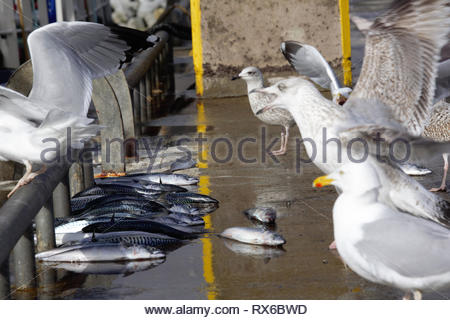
[208, 268]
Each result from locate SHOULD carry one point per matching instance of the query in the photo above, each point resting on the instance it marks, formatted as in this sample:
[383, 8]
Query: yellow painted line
[197, 54]
[203, 188]
[201, 128]
[344, 10]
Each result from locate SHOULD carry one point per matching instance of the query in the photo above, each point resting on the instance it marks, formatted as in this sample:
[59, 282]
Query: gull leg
[33, 175]
[282, 150]
[21, 182]
[443, 186]
[27, 177]
[286, 138]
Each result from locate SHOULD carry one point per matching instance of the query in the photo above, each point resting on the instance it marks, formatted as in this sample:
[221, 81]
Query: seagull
[391, 101]
[254, 79]
[383, 244]
[308, 61]
[66, 57]
[438, 129]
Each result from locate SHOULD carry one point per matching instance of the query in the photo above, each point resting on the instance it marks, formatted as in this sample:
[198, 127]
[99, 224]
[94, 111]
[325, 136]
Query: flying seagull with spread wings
[66, 57]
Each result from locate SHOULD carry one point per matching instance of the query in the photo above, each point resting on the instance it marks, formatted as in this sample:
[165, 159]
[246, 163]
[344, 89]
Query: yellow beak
[322, 182]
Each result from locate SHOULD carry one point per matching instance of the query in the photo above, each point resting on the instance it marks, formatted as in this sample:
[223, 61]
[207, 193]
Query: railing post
[76, 178]
[4, 280]
[171, 68]
[61, 199]
[148, 97]
[45, 228]
[23, 258]
[88, 170]
[143, 101]
[137, 111]
[45, 235]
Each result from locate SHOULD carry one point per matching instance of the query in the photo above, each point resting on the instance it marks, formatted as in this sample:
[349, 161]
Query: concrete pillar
[230, 35]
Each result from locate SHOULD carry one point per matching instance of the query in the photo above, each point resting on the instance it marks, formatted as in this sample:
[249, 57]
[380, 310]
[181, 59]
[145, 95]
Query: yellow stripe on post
[344, 10]
[197, 53]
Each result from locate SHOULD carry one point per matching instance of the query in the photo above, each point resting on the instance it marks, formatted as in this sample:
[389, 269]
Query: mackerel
[253, 236]
[77, 225]
[166, 178]
[182, 164]
[116, 189]
[159, 241]
[134, 182]
[137, 225]
[101, 252]
[184, 208]
[262, 214]
[126, 267]
[81, 203]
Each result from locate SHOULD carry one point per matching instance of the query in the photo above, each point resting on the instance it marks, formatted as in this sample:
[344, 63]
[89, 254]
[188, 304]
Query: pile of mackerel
[129, 218]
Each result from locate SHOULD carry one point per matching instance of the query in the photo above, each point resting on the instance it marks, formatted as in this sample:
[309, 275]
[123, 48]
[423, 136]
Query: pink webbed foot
[440, 189]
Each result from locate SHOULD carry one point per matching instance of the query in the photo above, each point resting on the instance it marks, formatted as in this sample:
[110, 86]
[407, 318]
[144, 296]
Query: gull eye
[282, 87]
[341, 172]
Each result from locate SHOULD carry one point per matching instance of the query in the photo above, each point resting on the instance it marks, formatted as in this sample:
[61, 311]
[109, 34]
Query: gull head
[357, 178]
[249, 74]
[286, 93]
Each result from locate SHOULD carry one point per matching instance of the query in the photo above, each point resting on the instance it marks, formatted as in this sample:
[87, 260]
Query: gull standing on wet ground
[254, 79]
[392, 100]
[383, 244]
[66, 57]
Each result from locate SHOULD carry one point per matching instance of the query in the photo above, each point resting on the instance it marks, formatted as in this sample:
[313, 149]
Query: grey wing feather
[18, 105]
[404, 193]
[400, 61]
[66, 57]
[308, 61]
[412, 247]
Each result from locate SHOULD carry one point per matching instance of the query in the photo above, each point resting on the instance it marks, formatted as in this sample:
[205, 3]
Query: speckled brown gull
[254, 79]
[392, 99]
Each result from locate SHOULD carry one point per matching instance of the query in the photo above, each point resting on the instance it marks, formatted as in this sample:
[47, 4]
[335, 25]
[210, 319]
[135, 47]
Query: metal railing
[148, 88]
[151, 91]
